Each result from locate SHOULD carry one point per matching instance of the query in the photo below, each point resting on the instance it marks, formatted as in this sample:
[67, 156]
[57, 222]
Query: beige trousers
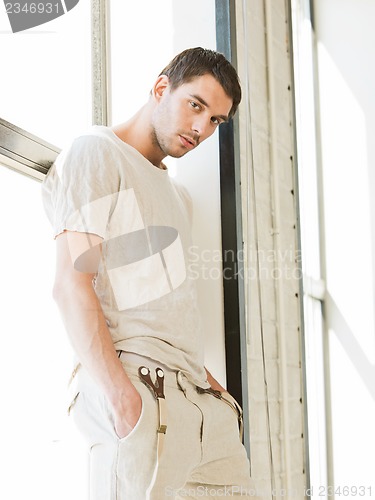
[202, 454]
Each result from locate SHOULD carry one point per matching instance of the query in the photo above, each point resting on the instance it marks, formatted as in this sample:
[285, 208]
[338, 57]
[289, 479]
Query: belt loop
[181, 381]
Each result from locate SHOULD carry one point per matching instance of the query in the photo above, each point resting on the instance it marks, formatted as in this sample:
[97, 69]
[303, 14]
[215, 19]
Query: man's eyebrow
[202, 101]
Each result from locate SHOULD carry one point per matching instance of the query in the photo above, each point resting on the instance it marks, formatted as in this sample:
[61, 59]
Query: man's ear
[161, 84]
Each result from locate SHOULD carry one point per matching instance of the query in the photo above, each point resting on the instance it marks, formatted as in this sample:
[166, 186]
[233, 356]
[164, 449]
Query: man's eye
[216, 121]
[194, 105]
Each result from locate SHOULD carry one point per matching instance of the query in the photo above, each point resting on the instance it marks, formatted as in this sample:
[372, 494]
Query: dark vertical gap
[234, 322]
[312, 16]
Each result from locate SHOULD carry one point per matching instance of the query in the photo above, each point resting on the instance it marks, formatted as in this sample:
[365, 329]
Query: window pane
[35, 358]
[45, 89]
[45, 83]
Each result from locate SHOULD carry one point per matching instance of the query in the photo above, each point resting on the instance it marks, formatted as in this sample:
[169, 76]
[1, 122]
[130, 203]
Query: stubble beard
[161, 144]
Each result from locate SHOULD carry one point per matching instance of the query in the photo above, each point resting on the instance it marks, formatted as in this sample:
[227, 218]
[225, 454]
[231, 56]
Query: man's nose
[201, 127]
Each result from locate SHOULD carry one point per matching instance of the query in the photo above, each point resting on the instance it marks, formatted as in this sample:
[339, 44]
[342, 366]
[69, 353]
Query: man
[157, 423]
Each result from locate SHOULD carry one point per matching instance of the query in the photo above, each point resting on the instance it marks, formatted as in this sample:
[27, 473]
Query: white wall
[346, 38]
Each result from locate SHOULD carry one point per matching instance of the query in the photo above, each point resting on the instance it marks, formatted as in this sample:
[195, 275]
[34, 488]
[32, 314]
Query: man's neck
[137, 133]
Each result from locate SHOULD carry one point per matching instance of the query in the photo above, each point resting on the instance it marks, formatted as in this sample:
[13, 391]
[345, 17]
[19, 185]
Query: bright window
[46, 75]
[46, 90]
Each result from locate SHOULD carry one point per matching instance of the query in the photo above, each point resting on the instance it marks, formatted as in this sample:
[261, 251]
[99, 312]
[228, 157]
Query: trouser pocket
[229, 400]
[73, 391]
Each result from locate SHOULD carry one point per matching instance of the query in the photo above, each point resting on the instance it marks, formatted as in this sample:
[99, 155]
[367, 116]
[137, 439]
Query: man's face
[186, 116]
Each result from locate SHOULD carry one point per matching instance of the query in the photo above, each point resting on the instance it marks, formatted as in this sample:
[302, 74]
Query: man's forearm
[90, 337]
[214, 383]
[87, 328]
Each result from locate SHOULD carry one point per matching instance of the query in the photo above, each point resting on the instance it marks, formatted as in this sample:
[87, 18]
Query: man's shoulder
[95, 135]
[93, 146]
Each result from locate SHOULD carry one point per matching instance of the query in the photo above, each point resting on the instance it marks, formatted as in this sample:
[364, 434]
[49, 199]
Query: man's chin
[177, 154]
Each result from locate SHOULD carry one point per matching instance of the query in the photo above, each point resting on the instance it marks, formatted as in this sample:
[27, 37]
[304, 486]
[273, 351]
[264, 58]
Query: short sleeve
[80, 188]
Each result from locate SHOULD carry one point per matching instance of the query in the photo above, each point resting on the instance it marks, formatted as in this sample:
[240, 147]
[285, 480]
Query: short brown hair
[195, 62]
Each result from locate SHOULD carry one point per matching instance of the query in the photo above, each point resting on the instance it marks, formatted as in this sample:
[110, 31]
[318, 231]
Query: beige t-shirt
[101, 185]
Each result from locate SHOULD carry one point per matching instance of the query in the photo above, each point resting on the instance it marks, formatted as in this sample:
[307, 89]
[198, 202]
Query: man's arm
[214, 383]
[87, 328]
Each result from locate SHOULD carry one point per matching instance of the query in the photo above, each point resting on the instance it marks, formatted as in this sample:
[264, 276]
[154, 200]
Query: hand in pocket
[127, 413]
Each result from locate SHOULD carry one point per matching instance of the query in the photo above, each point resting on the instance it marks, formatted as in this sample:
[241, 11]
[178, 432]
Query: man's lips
[187, 142]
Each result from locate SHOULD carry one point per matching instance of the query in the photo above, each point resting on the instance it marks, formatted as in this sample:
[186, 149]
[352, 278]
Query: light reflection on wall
[346, 82]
